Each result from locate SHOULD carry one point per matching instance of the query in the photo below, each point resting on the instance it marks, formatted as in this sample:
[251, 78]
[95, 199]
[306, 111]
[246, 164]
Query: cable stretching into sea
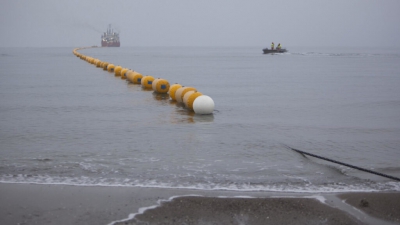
[345, 164]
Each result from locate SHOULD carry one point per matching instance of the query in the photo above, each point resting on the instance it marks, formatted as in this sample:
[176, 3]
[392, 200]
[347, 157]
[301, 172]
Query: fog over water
[48, 23]
[334, 93]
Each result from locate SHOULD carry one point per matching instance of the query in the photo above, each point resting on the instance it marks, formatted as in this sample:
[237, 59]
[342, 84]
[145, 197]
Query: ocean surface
[64, 121]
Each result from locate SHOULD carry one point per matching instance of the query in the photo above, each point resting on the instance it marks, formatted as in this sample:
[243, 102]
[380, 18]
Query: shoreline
[67, 204]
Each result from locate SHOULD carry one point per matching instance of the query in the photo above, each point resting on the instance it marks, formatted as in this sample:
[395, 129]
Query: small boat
[267, 51]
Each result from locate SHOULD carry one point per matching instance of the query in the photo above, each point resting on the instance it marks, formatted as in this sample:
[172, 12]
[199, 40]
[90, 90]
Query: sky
[80, 23]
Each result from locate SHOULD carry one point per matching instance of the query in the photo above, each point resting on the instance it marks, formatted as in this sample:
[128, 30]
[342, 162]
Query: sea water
[64, 121]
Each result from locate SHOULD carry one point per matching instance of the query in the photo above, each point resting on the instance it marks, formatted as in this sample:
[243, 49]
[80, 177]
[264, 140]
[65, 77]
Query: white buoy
[203, 105]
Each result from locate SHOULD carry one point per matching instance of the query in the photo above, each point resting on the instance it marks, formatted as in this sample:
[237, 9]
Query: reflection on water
[203, 118]
[146, 89]
[132, 86]
[191, 117]
[160, 97]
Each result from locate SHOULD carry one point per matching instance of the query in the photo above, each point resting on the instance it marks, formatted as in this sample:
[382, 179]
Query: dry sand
[63, 204]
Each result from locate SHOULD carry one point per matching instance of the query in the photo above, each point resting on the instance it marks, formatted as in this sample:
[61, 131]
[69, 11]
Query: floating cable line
[303, 153]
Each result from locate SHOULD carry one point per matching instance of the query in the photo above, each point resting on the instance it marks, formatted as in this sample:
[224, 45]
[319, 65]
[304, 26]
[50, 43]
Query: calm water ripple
[64, 121]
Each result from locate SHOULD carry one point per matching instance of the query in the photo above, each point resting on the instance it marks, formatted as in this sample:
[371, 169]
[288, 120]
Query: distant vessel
[110, 38]
[267, 51]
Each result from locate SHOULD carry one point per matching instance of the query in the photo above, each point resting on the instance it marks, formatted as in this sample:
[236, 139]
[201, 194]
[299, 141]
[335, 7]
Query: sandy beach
[381, 205]
[64, 204]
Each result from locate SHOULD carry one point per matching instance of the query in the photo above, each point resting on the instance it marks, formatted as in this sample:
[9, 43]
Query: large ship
[110, 38]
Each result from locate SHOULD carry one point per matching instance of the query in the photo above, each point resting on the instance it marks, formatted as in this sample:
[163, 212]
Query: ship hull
[110, 44]
[268, 51]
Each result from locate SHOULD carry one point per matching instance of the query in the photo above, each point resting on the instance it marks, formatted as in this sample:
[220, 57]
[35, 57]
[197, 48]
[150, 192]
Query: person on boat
[272, 46]
[279, 47]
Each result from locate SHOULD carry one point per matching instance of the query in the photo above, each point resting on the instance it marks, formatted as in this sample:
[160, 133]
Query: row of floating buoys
[188, 96]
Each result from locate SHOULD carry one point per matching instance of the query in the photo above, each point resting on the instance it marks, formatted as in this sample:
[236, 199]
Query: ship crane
[110, 38]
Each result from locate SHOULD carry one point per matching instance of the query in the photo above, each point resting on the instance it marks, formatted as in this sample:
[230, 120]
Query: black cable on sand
[345, 164]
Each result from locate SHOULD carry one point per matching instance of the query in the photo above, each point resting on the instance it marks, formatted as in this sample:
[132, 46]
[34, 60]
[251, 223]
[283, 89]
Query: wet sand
[256, 211]
[64, 204]
[381, 205]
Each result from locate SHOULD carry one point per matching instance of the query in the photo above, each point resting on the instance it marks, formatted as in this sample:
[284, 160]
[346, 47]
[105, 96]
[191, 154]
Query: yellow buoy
[98, 64]
[153, 85]
[172, 90]
[178, 93]
[129, 75]
[189, 101]
[117, 70]
[123, 73]
[128, 72]
[147, 82]
[181, 92]
[137, 78]
[110, 68]
[134, 77]
[105, 64]
[186, 96]
[161, 86]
